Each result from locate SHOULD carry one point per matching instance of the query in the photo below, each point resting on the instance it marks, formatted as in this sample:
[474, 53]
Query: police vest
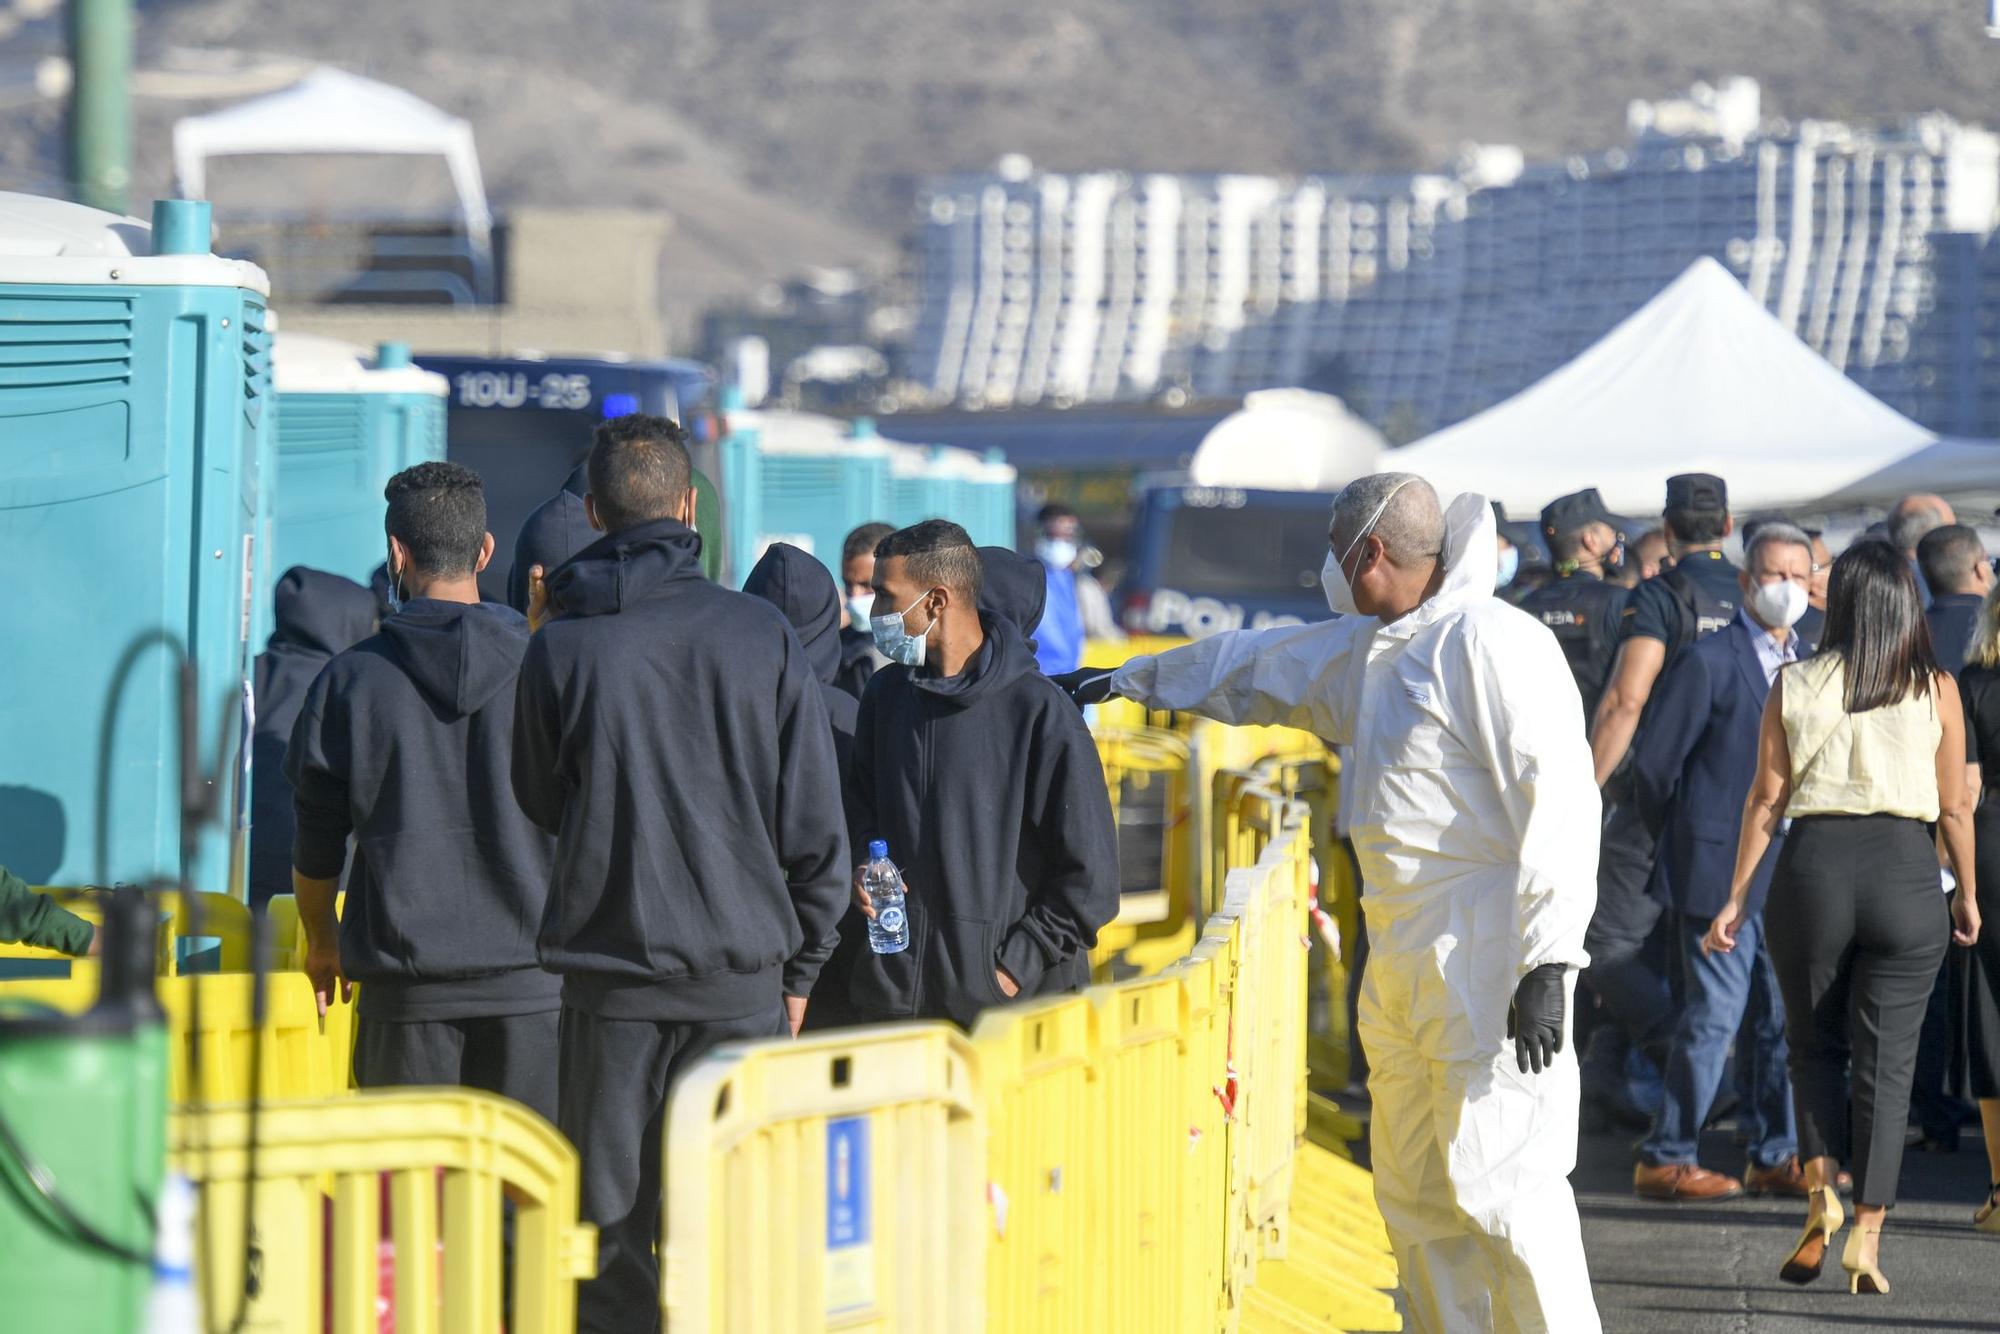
[1702, 612]
[1578, 612]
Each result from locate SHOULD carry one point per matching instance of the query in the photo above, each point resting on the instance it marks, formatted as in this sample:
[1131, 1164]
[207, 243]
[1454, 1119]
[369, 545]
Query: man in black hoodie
[1013, 586]
[405, 741]
[672, 735]
[800, 587]
[805, 594]
[554, 531]
[858, 658]
[983, 780]
[318, 615]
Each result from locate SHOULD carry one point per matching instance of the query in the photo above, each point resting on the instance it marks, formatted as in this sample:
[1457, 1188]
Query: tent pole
[100, 112]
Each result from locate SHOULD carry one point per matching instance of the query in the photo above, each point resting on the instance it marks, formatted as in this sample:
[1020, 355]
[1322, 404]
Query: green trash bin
[83, 1114]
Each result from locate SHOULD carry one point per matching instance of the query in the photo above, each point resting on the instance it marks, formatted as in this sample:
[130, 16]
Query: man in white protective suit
[1475, 817]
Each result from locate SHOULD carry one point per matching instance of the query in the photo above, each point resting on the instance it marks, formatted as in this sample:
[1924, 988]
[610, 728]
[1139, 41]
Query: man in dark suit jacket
[1692, 769]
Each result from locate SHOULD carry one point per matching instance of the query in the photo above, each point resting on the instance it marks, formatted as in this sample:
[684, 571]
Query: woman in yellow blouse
[1862, 749]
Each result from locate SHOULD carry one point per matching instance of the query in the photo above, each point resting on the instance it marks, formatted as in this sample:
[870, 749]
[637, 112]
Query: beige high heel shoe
[1809, 1256]
[1987, 1219]
[1861, 1276]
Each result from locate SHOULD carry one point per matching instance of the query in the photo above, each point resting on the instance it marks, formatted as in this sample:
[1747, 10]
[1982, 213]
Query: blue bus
[523, 423]
[1203, 559]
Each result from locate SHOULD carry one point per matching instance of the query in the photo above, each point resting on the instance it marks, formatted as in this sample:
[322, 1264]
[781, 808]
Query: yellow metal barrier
[1147, 773]
[304, 1055]
[834, 1182]
[224, 920]
[1037, 1069]
[1144, 1163]
[443, 1160]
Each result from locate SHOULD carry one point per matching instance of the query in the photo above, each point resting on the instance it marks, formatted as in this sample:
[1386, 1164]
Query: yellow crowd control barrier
[443, 1160]
[224, 926]
[828, 1183]
[304, 1055]
[1146, 771]
[1131, 1159]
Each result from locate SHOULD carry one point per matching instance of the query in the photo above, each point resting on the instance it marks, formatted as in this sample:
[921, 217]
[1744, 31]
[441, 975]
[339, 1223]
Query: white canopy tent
[332, 111]
[1700, 379]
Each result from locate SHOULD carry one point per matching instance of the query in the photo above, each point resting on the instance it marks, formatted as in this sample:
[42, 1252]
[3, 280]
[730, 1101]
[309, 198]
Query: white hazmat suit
[1475, 818]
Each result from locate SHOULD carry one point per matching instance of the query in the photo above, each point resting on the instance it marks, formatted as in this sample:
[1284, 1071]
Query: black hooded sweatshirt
[318, 615]
[554, 531]
[406, 740]
[671, 734]
[988, 790]
[1014, 586]
[858, 660]
[802, 589]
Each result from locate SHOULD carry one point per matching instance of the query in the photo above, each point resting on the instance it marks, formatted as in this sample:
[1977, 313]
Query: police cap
[1698, 491]
[1568, 514]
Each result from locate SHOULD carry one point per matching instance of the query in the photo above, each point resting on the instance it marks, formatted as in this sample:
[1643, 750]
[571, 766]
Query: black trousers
[1977, 992]
[1626, 969]
[513, 1055]
[1856, 928]
[616, 1075]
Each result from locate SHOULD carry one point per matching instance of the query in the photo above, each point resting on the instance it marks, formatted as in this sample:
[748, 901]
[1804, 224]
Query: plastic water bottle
[171, 1306]
[889, 931]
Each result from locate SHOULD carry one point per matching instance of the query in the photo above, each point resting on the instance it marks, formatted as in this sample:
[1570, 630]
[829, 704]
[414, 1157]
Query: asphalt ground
[1713, 1268]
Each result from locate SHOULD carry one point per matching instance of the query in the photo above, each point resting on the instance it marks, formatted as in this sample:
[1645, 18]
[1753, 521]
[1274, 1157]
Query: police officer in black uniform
[1580, 608]
[1661, 618]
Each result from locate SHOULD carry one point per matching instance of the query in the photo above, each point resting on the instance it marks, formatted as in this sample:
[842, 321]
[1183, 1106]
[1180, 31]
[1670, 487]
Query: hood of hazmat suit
[1474, 814]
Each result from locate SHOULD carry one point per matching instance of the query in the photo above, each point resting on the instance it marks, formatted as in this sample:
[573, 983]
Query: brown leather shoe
[1786, 1178]
[1682, 1182]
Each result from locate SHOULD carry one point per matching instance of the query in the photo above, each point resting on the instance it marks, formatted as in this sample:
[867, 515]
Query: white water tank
[1288, 440]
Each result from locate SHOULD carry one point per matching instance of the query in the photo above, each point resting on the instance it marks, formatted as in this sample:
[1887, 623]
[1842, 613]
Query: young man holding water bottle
[975, 777]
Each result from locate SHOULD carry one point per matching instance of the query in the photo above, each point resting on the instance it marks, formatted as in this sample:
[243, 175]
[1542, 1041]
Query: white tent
[332, 111]
[1700, 379]
[1287, 440]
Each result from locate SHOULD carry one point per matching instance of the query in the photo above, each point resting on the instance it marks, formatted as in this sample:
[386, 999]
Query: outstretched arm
[1291, 676]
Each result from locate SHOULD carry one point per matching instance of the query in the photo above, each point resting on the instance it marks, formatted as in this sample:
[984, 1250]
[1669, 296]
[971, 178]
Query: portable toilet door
[346, 423]
[134, 378]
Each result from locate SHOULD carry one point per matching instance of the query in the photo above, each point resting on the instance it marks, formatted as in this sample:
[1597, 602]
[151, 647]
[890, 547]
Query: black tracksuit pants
[513, 1055]
[616, 1075]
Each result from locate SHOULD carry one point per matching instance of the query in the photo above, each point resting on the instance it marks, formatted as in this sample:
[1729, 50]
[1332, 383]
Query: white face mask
[1778, 606]
[1057, 552]
[861, 610]
[1333, 574]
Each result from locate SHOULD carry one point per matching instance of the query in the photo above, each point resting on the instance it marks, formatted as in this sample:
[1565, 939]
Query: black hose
[56, 1212]
[253, 1250]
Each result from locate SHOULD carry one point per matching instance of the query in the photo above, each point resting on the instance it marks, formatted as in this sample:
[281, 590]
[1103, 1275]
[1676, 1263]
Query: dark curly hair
[438, 512]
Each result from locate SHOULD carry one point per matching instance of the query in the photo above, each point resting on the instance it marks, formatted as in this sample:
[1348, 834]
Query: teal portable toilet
[346, 422]
[134, 383]
[935, 482]
[800, 478]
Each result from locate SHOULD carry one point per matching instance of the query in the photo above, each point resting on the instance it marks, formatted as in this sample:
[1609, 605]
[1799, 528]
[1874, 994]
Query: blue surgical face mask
[894, 641]
[861, 610]
[1510, 565]
[395, 586]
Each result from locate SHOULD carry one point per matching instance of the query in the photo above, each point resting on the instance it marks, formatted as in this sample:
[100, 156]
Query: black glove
[1091, 685]
[1535, 1020]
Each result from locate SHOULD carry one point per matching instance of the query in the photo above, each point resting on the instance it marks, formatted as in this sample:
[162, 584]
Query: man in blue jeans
[1692, 768]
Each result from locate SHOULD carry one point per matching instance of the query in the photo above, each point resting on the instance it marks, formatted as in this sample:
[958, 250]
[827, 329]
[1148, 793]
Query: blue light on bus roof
[620, 405]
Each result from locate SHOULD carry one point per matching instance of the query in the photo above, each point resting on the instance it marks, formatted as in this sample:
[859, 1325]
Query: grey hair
[1411, 526]
[1908, 524]
[1776, 534]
